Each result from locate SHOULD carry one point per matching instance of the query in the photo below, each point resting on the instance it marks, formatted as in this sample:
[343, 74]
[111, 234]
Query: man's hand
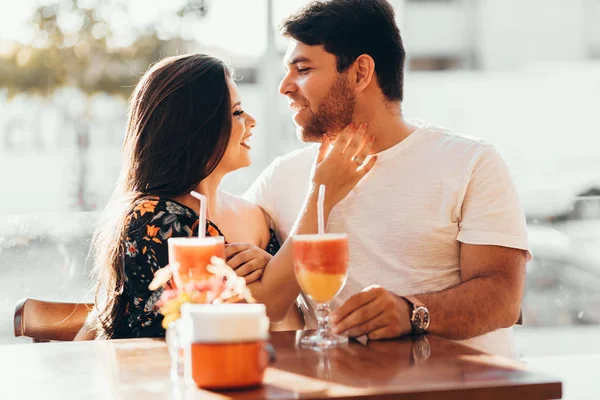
[247, 260]
[374, 312]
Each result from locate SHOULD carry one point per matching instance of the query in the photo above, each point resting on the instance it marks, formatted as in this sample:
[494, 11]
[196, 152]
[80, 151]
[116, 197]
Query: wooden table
[418, 368]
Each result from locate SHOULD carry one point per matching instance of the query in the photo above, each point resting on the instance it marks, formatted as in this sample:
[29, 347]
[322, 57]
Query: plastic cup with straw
[189, 256]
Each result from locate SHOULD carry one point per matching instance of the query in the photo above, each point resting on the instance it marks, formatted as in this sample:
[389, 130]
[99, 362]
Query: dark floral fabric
[151, 222]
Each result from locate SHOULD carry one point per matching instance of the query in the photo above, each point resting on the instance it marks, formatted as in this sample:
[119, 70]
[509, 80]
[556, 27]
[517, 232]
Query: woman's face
[237, 154]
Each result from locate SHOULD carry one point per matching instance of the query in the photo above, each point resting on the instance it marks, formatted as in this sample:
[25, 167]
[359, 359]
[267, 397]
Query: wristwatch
[419, 317]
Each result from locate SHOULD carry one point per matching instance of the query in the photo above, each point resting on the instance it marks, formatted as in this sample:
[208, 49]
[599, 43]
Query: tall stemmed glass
[321, 268]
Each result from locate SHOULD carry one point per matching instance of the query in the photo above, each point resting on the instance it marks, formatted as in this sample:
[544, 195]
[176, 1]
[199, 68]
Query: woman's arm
[278, 287]
[87, 332]
[337, 170]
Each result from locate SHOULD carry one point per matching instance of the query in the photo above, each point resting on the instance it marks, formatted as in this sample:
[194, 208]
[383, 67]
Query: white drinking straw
[320, 217]
[202, 214]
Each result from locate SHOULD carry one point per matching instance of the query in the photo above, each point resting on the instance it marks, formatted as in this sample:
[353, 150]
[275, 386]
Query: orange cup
[224, 344]
[189, 256]
[228, 365]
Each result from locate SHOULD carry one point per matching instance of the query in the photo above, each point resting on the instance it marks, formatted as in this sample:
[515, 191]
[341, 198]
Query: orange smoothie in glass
[321, 264]
[190, 256]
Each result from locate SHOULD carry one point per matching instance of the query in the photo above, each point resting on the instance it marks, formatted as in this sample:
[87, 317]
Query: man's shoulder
[449, 143]
[452, 137]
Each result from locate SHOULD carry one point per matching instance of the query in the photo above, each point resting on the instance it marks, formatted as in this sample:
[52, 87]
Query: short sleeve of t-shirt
[491, 212]
[261, 192]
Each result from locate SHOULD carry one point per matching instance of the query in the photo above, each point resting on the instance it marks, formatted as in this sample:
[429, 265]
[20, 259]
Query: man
[437, 234]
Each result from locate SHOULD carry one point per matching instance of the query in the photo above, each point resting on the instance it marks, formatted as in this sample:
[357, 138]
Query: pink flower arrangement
[223, 286]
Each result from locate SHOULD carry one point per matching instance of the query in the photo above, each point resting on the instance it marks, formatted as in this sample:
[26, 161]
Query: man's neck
[386, 123]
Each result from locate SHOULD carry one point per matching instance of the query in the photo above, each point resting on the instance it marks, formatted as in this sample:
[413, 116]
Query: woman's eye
[238, 113]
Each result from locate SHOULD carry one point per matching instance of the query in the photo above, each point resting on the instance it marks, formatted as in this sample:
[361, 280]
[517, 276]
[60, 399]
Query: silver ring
[357, 160]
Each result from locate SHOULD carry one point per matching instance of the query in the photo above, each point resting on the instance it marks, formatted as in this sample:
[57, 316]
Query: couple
[437, 234]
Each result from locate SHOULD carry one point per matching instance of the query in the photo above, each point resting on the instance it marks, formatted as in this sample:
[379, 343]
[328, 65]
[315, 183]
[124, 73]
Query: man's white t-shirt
[405, 219]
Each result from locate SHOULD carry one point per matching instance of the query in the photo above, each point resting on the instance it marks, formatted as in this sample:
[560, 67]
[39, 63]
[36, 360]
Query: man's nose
[287, 86]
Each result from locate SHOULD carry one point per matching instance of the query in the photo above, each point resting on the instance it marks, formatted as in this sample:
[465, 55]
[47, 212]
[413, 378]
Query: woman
[186, 130]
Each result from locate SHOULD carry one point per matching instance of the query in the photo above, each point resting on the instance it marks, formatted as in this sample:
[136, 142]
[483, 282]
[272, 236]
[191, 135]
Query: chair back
[47, 320]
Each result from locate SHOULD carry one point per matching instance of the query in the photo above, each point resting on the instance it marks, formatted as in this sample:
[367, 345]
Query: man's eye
[303, 70]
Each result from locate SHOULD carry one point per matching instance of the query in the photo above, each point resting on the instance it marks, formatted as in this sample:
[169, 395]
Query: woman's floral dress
[152, 221]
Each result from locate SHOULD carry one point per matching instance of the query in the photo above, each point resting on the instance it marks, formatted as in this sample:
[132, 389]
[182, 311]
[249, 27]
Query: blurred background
[523, 74]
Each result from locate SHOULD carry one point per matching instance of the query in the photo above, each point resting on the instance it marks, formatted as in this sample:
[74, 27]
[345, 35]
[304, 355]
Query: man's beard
[334, 113]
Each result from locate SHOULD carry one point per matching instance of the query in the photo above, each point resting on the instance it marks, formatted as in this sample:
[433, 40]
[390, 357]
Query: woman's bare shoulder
[250, 213]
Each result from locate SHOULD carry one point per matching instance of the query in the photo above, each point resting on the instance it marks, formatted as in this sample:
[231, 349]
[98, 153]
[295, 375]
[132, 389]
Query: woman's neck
[208, 187]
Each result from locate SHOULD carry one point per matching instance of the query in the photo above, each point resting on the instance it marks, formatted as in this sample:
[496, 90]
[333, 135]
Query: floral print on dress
[175, 208]
[131, 248]
[151, 222]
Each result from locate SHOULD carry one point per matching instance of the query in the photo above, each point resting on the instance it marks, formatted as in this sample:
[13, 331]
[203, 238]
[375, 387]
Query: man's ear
[364, 67]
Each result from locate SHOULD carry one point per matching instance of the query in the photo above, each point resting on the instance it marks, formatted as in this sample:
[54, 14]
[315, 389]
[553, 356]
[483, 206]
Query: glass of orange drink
[189, 256]
[321, 269]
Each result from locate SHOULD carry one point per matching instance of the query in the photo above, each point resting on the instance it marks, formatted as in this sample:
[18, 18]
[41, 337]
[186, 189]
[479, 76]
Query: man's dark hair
[349, 28]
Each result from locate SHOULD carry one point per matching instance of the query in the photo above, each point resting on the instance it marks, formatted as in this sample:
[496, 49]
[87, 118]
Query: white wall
[514, 33]
[504, 35]
[592, 25]
[436, 29]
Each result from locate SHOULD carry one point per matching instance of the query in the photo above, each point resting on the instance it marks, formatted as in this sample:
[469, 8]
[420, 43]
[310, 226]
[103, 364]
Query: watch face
[420, 319]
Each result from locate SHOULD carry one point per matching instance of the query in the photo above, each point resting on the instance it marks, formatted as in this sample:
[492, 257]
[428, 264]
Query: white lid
[223, 323]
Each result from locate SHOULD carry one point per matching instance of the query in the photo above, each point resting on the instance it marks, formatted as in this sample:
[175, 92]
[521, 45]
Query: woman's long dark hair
[178, 128]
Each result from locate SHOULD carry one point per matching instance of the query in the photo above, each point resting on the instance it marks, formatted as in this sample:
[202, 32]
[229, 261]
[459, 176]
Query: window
[67, 69]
